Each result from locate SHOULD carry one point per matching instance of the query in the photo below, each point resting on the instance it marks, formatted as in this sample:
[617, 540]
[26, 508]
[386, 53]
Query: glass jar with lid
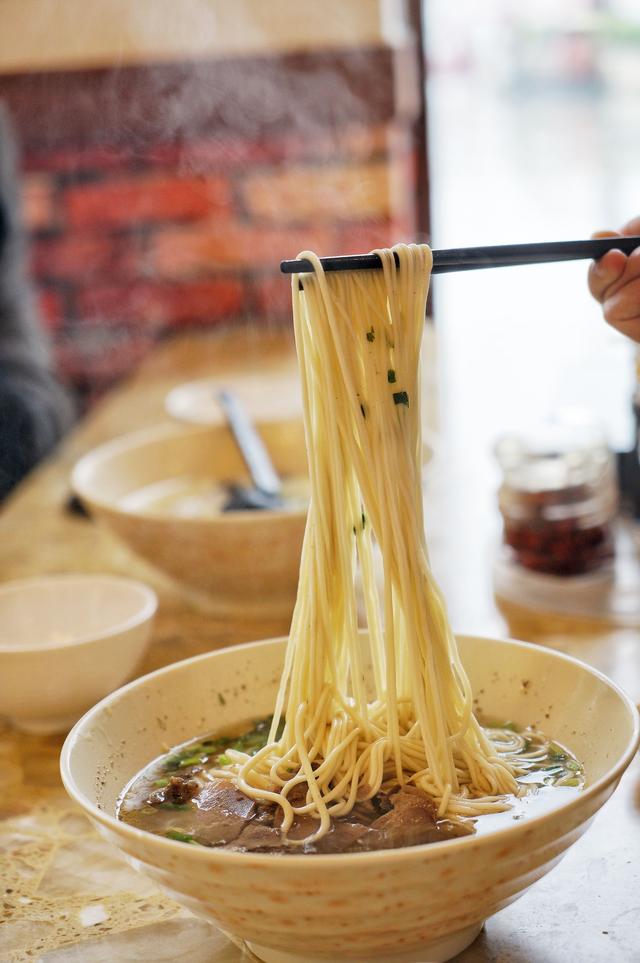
[558, 497]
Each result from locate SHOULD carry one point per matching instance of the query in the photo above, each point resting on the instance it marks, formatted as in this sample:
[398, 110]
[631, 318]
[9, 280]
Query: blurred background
[171, 154]
[533, 135]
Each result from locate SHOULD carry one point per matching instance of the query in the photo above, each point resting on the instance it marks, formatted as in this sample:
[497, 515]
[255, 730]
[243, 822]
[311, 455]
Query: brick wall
[141, 230]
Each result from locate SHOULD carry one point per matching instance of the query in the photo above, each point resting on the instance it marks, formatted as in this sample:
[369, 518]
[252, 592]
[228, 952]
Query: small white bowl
[65, 642]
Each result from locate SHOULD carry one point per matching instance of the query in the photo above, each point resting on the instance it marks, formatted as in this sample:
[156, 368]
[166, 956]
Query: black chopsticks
[472, 258]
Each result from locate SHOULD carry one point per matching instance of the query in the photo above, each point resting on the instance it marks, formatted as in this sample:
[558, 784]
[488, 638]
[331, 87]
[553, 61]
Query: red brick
[119, 203]
[70, 160]
[38, 202]
[77, 257]
[190, 252]
[204, 155]
[362, 142]
[158, 305]
[51, 308]
[340, 192]
[363, 237]
[354, 142]
[272, 297]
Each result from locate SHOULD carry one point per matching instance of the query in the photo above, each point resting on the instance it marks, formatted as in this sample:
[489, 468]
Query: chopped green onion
[180, 837]
[171, 762]
[160, 783]
[401, 398]
[556, 752]
[363, 410]
[221, 699]
[223, 760]
[371, 335]
[199, 753]
[192, 755]
[194, 760]
[391, 376]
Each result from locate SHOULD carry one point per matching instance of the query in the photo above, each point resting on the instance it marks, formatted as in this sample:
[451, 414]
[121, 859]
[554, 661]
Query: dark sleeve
[21, 336]
[35, 410]
[34, 414]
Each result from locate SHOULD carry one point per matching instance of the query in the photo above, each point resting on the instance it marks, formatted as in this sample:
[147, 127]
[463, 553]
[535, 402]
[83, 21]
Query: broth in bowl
[186, 496]
[185, 796]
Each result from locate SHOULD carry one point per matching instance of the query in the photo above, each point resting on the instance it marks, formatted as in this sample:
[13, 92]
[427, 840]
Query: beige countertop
[67, 896]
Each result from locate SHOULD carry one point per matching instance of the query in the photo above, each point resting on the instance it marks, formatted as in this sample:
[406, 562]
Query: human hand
[614, 281]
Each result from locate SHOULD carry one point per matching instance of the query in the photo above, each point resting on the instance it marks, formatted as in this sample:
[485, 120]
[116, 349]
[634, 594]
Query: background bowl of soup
[162, 491]
[426, 902]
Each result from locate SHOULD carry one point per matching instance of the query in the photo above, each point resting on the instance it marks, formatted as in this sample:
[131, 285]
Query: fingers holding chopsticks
[614, 281]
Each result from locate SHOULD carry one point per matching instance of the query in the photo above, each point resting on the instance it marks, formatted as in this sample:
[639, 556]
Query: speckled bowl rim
[144, 614]
[158, 433]
[312, 863]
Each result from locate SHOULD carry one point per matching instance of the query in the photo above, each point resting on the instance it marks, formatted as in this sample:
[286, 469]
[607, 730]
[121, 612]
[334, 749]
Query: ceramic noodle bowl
[244, 561]
[420, 903]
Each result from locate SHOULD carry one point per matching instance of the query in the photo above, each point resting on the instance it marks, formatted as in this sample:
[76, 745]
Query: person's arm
[614, 281]
[35, 410]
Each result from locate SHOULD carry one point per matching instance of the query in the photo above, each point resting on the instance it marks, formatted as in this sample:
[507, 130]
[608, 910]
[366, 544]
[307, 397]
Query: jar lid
[567, 451]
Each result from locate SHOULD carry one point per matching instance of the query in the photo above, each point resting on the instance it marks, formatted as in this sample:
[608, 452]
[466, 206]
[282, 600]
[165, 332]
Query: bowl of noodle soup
[421, 902]
[407, 784]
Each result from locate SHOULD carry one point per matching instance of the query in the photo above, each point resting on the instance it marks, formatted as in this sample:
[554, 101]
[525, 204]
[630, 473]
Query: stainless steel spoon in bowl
[266, 491]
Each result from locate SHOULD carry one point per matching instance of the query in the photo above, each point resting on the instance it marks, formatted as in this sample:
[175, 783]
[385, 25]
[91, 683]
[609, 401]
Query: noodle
[358, 337]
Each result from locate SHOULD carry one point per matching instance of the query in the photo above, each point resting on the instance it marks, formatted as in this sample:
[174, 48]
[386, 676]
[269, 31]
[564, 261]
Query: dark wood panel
[249, 96]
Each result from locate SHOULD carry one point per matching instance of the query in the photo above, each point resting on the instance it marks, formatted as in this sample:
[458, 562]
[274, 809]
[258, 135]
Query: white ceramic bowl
[245, 561]
[65, 642]
[415, 904]
[274, 395]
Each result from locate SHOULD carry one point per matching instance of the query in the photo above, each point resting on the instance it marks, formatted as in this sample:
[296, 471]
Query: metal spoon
[266, 491]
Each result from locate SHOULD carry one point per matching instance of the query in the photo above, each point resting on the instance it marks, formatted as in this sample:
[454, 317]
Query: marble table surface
[66, 896]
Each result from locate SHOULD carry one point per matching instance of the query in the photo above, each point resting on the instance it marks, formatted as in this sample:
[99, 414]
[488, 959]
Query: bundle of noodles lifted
[373, 742]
